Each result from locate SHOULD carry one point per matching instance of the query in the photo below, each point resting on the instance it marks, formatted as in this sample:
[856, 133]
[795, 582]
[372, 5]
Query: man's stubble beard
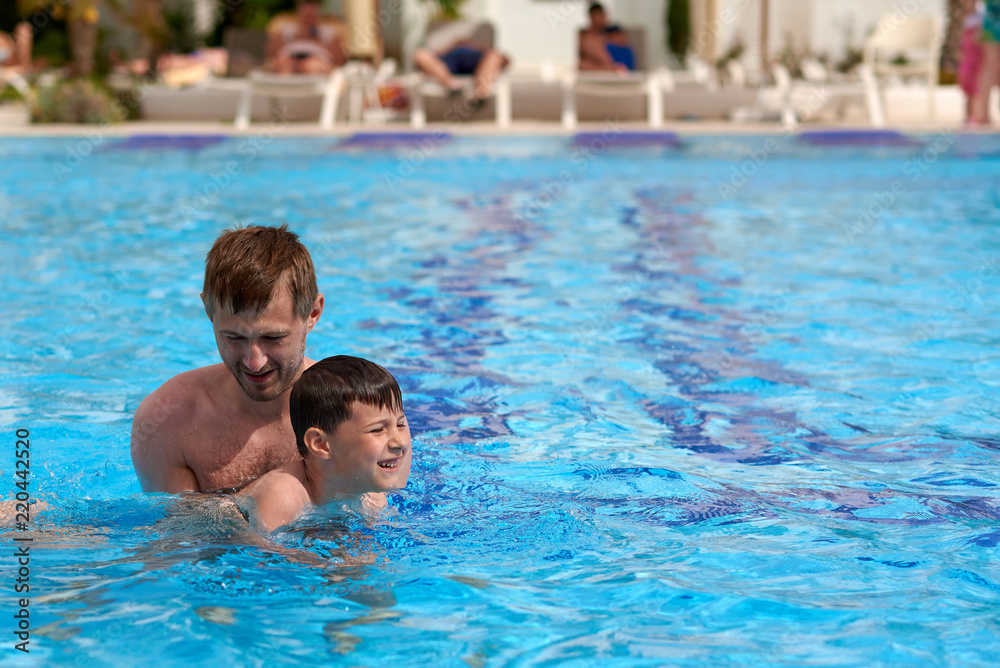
[285, 379]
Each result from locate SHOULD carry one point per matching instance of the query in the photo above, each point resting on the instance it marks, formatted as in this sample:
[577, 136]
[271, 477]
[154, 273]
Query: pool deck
[474, 128]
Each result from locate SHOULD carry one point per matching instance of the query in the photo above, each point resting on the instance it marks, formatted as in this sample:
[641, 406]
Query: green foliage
[52, 44]
[10, 16]
[447, 9]
[181, 35]
[791, 56]
[74, 101]
[679, 29]
[249, 14]
[256, 14]
[734, 52]
[853, 56]
[10, 94]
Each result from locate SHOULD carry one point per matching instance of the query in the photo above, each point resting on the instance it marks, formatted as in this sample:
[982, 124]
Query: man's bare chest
[227, 456]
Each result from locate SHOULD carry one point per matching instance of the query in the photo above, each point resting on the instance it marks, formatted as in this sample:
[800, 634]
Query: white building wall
[824, 26]
[533, 32]
[530, 32]
[536, 31]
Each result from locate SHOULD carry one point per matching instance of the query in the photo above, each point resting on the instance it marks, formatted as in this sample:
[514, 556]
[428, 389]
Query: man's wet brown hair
[247, 264]
[323, 394]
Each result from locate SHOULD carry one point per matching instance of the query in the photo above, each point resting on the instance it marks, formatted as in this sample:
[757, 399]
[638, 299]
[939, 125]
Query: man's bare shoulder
[164, 422]
[192, 382]
[179, 401]
[183, 393]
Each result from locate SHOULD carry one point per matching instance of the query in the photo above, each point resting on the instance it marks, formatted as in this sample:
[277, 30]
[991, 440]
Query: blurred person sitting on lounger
[450, 50]
[15, 50]
[603, 45]
[307, 46]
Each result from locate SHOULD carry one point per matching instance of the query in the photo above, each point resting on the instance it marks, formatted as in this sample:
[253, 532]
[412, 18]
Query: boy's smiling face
[370, 452]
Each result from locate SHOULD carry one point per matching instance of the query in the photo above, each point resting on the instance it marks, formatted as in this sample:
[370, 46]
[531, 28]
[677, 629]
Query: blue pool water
[728, 401]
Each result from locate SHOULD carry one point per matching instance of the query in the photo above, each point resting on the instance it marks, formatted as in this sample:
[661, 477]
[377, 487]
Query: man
[450, 50]
[222, 426]
[305, 46]
[604, 46]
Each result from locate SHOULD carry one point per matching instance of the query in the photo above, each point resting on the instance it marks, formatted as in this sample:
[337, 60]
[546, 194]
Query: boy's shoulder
[279, 496]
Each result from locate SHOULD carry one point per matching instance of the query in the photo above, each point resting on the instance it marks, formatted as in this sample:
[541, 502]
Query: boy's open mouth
[389, 464]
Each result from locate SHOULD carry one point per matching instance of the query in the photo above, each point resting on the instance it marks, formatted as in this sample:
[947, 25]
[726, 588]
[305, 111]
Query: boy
[347, 415]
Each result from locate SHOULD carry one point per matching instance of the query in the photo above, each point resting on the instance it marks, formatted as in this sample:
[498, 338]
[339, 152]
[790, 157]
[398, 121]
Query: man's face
[371, 451]
[598, 19]
[264, 351]
[309, 14]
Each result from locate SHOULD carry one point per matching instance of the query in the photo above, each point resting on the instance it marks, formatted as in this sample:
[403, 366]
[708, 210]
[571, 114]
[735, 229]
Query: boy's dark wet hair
[323, 394]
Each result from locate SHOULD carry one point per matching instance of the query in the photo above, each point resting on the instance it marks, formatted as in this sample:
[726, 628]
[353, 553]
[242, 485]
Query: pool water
[726, 401]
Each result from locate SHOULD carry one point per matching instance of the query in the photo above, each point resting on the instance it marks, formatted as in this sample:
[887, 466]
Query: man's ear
[316, 312]
[316, 443]
[205, 304]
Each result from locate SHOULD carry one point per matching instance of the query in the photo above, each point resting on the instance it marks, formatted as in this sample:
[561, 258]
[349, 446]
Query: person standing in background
[989, 74]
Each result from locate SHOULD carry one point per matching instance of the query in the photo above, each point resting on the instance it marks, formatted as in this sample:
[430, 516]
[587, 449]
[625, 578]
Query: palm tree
[81, 22]
[146, 16]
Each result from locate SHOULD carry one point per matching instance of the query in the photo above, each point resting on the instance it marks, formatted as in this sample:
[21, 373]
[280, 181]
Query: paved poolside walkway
[475, 128]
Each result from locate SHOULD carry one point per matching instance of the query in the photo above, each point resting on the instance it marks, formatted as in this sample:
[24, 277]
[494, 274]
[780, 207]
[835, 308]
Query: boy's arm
[373, 503]
[278, 498]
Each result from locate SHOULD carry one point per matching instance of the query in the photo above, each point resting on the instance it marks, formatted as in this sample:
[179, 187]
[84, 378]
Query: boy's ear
[316, 443]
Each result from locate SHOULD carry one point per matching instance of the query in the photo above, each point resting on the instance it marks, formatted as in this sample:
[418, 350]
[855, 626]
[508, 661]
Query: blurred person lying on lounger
[305, 46]
[451, 50]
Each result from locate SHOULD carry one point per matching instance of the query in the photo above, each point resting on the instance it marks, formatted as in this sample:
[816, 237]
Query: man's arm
[157, 454]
